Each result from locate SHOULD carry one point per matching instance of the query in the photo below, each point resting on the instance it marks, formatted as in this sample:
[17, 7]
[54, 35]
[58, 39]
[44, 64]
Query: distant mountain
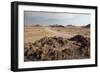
[70, 25]
[36, 25]
[56, 25]
[86, 26]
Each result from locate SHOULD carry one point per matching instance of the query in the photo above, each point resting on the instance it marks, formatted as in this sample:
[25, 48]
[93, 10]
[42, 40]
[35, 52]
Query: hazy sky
[50, 18]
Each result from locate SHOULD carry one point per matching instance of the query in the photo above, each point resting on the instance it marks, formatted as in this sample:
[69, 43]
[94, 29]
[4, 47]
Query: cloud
[32, 17]
[48, 15]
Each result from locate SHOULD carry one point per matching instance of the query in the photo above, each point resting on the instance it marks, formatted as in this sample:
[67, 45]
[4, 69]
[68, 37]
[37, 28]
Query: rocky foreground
[57, 48]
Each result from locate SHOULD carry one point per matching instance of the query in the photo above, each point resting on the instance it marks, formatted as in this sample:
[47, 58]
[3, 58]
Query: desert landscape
[50, 36]
[56, 42]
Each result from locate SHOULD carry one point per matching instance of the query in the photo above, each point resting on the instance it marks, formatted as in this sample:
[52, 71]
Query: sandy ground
[56, 33]
[35, 33]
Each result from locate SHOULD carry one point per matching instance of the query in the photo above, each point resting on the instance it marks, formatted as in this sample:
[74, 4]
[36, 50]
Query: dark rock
[79, 38]
[57, 48]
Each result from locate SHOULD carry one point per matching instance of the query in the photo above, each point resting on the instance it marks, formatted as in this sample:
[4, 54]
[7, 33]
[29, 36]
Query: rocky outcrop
[57, 48]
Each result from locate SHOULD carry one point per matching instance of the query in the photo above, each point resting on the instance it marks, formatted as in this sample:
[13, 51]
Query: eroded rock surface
[57, 48]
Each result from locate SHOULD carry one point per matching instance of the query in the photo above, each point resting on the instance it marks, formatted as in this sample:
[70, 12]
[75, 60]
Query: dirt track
[58, 34]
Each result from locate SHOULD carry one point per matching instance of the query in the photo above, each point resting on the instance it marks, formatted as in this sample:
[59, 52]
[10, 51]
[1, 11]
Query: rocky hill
[57, 48]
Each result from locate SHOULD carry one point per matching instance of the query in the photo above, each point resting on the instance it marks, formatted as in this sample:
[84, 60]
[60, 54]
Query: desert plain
[47, 43]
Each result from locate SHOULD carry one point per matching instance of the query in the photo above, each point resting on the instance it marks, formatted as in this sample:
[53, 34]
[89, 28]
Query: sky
[61, 18]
